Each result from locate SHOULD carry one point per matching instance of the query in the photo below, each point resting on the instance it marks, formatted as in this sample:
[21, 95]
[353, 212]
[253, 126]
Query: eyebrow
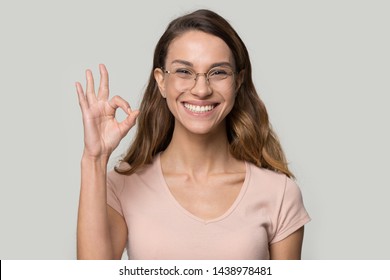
[187, 63]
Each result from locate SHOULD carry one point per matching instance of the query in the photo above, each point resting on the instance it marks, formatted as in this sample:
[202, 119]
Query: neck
[197, 154]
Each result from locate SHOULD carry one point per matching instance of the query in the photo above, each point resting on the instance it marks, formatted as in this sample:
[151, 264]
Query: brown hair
[249, 132]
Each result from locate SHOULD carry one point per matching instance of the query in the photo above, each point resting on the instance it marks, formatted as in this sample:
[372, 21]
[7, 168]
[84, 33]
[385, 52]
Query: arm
[288, 248]
[118, 228]
[93, 234]
[100, 232]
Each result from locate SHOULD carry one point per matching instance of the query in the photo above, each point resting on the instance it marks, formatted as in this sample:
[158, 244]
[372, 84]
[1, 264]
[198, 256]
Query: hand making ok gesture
[102, 131]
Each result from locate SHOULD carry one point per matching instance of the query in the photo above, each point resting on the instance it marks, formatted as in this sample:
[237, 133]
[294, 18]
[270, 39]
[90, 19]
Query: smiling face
[200, 106]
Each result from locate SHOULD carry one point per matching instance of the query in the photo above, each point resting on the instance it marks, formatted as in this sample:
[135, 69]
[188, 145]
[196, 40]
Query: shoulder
[274, 183]
[115, 180]
[119, 181]
[267, 177]
[281, 201]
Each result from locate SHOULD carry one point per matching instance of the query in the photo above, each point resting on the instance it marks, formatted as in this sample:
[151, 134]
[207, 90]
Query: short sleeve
[114, 190]
[292, 212]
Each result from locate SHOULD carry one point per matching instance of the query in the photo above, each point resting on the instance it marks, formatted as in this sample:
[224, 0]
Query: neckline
[194, 217]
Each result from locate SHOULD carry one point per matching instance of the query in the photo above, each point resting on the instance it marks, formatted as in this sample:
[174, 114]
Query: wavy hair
[249, 131]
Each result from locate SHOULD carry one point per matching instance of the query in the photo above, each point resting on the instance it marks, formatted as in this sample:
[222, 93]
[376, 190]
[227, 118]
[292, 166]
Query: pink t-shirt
[268, 208]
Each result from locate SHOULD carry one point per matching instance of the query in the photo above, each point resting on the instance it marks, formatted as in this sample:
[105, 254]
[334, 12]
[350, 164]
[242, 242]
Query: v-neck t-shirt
[268, 208]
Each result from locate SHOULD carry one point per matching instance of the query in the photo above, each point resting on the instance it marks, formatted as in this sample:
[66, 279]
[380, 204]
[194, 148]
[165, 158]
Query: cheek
[227, 107]
[230, 103]
[171, 99]
[170, 90]
[231, 100]
[171, 106]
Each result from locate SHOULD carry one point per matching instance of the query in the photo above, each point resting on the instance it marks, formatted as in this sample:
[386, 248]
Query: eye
[218, 73]
[184, 73]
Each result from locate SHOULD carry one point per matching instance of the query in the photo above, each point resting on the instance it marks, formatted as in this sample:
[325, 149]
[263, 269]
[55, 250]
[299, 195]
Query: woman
[205, 177]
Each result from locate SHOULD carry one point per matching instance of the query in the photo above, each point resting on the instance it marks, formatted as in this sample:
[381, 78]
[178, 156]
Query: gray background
[321, 67]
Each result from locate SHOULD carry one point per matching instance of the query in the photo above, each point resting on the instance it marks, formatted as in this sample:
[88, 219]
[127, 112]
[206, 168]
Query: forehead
[199, 48]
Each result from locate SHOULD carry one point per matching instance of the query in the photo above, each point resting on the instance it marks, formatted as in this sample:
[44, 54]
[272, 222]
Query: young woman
[205, 177]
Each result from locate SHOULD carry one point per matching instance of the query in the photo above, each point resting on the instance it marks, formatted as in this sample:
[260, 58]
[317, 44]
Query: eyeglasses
[218, 76]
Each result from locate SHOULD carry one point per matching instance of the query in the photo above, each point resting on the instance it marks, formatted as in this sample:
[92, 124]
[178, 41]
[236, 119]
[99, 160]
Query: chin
[204, 129]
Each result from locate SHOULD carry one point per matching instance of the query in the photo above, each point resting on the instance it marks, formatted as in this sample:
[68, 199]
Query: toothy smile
[198, 108]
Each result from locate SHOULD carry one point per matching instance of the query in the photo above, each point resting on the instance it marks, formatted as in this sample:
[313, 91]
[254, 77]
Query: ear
[159, 77]
[240, 78]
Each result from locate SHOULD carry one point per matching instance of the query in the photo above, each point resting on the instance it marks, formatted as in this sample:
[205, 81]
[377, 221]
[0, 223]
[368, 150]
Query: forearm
[93, 233]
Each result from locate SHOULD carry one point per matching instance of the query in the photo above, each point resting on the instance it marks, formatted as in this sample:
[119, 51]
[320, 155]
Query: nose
[201, 86]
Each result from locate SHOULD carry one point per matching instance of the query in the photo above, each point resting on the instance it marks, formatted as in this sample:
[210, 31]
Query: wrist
[94, 160]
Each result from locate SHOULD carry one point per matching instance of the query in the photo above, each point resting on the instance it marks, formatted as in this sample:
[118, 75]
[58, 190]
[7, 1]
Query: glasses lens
[221, 77]
[219, 74]
[184, 73]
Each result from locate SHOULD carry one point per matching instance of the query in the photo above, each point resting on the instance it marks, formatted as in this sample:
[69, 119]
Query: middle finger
[104, 86]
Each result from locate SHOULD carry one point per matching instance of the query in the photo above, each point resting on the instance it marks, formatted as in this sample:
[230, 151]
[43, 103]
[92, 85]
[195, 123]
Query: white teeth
[198, 109]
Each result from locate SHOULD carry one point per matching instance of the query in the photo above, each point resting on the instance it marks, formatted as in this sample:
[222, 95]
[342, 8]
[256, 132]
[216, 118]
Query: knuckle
[119, 100]
[116, 98]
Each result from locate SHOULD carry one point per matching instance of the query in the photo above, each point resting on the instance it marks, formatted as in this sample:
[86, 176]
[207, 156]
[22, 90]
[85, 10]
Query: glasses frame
[196, 75]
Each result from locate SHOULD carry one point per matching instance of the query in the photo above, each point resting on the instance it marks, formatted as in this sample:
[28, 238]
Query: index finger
[103, 92]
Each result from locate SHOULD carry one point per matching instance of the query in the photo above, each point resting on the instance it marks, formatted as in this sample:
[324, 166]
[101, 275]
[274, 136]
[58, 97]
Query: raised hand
[102, 132]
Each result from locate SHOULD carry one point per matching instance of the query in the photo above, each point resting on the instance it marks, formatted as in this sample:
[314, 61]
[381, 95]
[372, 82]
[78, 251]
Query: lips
[199, 108]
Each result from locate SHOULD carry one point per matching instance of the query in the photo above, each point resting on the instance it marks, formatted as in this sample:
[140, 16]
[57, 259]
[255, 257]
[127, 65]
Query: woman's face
[198, 105]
